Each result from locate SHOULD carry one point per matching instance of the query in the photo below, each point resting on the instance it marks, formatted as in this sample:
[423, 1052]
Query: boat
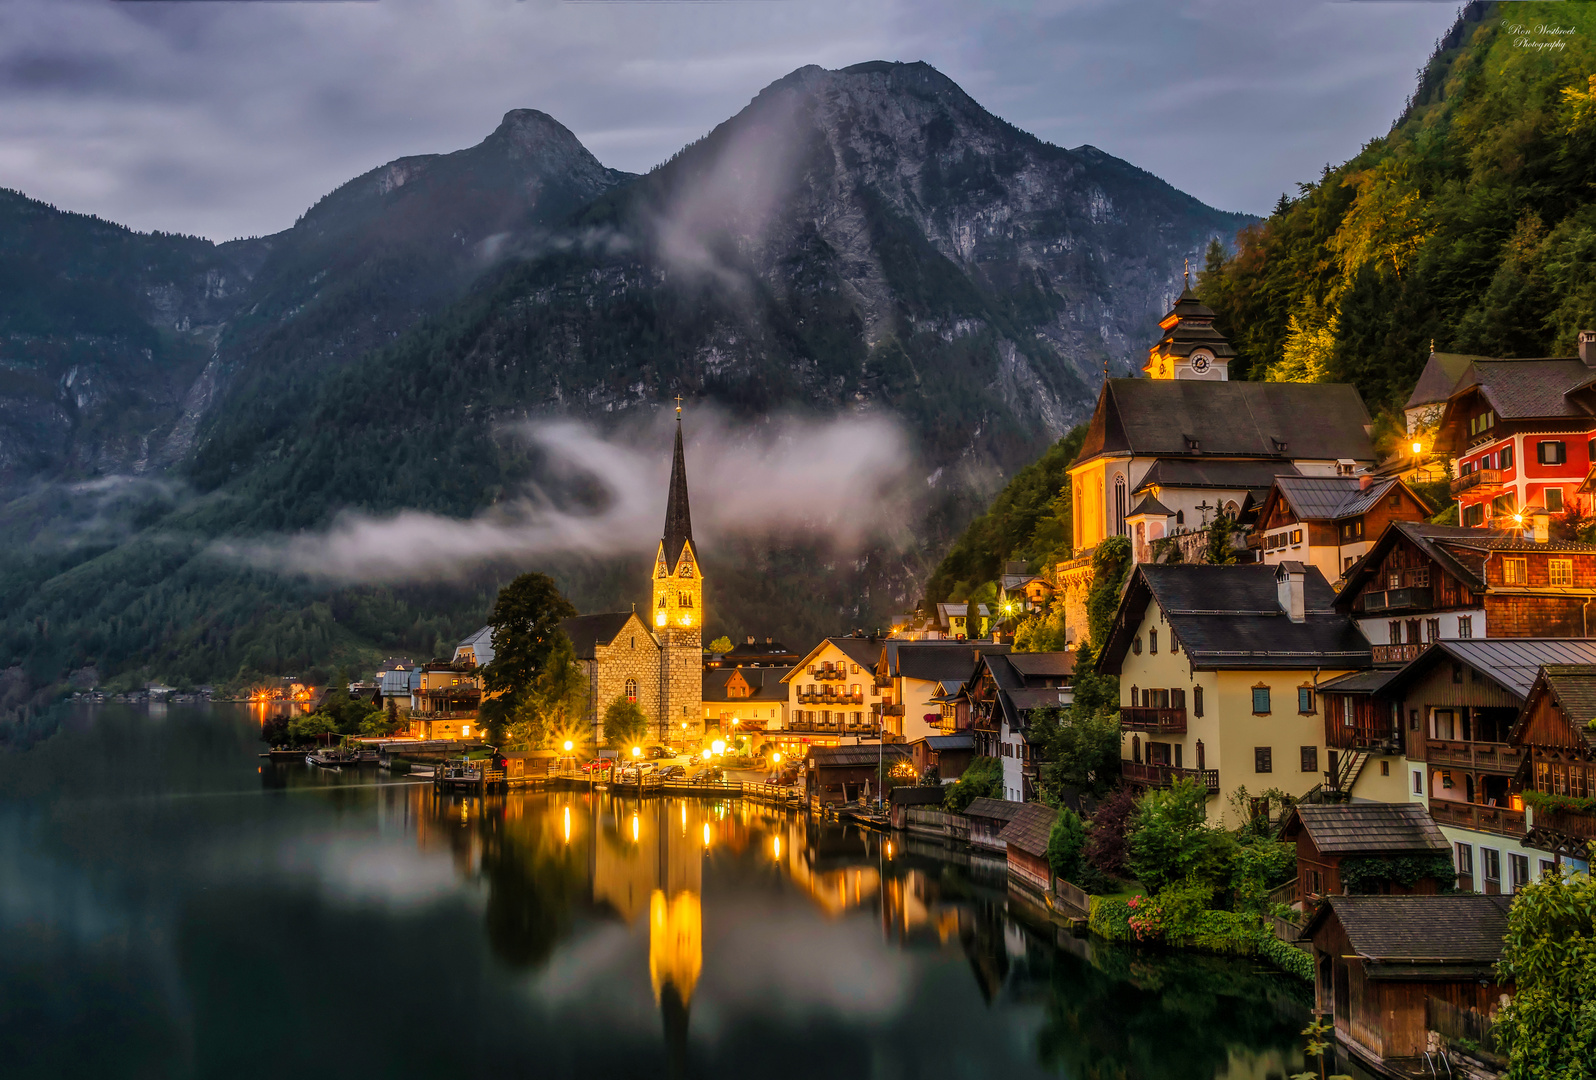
[278, 753]
[332, 758]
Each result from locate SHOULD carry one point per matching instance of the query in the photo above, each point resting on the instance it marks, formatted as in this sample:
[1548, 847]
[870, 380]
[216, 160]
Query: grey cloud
[231, 119]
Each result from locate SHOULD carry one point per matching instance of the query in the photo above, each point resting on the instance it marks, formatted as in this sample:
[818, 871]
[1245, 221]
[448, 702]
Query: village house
[1021, 593]
[832, 693]
[1330, 521]
[1164, 455]
[1441, 375]
[445, 700]
[1000, 697]
[1423, 583]
[750, 700]
[946, 755]
[754, 653]
[1362, 839]
[1457, 705]
[1024, 843]
[1364, 737]
[1386, 966]
[1558, 774]
[841, 774]
[1523, 433]
[917, 677]
[1218, 668]
[988, 819]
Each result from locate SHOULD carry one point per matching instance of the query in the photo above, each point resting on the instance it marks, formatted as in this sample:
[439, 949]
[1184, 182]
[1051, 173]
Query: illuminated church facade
[655, 657]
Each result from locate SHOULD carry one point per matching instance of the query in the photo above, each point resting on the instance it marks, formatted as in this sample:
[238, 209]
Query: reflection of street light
[706, 834]
[634, 828]
[778, 847]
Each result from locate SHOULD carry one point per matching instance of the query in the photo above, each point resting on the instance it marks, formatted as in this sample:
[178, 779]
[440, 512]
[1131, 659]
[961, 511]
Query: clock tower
[1191, 348]
[678, 610]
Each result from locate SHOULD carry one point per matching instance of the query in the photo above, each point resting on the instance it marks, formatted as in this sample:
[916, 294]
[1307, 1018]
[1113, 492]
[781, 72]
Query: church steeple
[678, 518]
[1191, 347]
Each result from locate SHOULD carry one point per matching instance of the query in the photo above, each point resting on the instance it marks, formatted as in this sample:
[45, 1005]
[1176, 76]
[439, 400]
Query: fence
[1072, 895]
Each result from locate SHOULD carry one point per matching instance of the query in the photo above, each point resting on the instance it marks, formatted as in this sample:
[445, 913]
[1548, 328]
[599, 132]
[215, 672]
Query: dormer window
[1193, 444]
[1279, 445]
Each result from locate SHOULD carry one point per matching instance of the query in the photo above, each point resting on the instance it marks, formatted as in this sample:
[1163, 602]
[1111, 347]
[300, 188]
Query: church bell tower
[678, 612]
[1191, 347]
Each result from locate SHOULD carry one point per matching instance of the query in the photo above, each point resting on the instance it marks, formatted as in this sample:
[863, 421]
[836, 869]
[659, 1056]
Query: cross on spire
[678, 405]
[1188, 273]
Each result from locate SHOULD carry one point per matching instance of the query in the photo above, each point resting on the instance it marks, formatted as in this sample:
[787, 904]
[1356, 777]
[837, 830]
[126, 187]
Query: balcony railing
[829, 697]
[1397, 654]
[1165, 775]
[1153, 721]
[1479, 480]
[1415, 597]
[823, 673]
[1568, 822]
[892, 710]
[443, 714]
[1467, 815]
[1476, 756]
[831, 727]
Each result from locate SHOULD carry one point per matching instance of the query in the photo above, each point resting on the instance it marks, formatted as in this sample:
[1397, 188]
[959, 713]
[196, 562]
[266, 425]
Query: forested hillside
[1472, 223]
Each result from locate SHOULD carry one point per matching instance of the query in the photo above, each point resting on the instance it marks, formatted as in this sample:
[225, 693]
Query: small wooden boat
[280, 754]
[333, 758]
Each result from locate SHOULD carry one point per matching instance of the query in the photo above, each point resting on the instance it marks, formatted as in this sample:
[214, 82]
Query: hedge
[1228, 933]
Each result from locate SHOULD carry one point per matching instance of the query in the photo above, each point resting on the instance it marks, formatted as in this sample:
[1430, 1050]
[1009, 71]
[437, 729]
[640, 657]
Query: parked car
[709, 775]
[657, 752]
[673, 772]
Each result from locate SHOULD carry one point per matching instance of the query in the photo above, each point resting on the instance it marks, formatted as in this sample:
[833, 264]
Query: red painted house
[1523, 433]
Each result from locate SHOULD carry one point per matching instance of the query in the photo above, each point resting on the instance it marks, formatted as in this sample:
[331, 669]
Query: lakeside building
[999, 699]
[747, 699]
[1218, 669]
[833, 695]
[1554, 731]
[1380, 960]
[1363, 839]
[445, 700]
[841, 774]
[1329, 521]
[1164, 455]
[1523, 433]
[916, 678]
[1423, 583]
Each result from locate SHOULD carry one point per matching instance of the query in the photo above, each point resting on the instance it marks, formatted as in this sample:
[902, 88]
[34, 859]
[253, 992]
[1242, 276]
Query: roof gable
[589, 632]
[1029, 830]
[1463, 931]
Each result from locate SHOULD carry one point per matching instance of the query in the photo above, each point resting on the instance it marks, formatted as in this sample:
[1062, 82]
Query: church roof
[1439, 378]
[1193, 328]
[678, 519]
[1192, 418]
[588, 632]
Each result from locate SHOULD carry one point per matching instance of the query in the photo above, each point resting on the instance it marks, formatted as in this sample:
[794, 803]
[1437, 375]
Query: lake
[171, 905]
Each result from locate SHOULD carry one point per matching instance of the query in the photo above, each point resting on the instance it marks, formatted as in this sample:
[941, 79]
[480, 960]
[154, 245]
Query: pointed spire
[678, 519]
[1188, 276]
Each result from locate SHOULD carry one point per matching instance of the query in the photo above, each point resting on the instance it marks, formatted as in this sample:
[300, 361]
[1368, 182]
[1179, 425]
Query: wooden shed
[988, 819]
[1328, 833]
[1380, 960]
[1025, 842]
[839, 774]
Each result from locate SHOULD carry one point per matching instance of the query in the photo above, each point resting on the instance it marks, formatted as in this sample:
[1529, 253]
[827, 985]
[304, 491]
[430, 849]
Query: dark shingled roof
[1574, 687]
[1359, 682]
[1231, 475]
[1368, 828]
[851, 756]
[1527, 388]
[1326, 498]
[993, 809]
[1230, 617]
[587, 632]
[678, 519]
[938, 662]
[764, 684]
[1150, 507]
[916, 796]
[1512, 663]
[1043, 665]
[1028, 831]
[940, 743]
[1439, 378]
[1279, 420]
[1419, 937]
[1193, 328]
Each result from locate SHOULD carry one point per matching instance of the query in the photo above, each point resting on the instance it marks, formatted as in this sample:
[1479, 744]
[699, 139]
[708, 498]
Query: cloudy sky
[231, 118]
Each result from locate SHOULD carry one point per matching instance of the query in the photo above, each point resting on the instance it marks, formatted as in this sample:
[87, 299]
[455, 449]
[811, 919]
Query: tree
[1111, 565]
[982, 779]
[526, 626]
[1080, 749]
[1169, 836]
[624, 723]
[1549, 1028]
[1105, 849]
[1065, 842]
[721, 645]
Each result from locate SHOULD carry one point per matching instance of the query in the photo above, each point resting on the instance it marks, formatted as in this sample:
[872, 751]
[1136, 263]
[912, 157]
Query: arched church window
[662, 600]
[1119, 505]
[684, 600]
[631, 690]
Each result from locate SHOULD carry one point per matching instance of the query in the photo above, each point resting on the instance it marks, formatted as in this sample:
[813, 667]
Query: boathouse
[1025, 843]
[1367, 848]
[840, 774]
[1384, 965]
[988, 819]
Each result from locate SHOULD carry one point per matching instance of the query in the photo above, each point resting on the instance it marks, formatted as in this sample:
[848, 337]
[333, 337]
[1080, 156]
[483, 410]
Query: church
[654, 659]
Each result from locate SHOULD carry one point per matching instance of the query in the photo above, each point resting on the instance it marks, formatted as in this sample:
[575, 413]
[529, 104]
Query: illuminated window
[1561, 571]
[631, 690]
[1515, 571]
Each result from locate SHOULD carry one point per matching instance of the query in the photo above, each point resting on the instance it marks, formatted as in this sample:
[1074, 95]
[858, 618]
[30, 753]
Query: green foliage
[721, 645]
[1042, 631]
[1546, 800]
[1256, 868]
[1367, 873]
[526, 620]
[1111, 567]
[1106, 839]
[1065, 841]
[1169, 838]
[981, 779]
[1109, 918]
[1287, 958]
[1473, 223]
[624, 723]
[1321, 1037]
[1079, 749]
[1030, 519]
[1219, 550]
[309, 728]
[1549, 1029]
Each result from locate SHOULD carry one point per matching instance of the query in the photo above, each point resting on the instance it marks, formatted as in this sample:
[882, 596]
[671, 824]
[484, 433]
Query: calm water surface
[172, 906]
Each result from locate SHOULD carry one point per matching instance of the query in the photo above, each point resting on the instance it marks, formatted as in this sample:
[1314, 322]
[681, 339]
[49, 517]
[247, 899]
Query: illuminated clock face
[1200, 362]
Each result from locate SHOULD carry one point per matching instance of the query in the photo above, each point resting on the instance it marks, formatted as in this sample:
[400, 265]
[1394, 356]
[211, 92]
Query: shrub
[982, 779]
[1169, 838]
[1549, 1028]
[1064, 844]
[1105, 849]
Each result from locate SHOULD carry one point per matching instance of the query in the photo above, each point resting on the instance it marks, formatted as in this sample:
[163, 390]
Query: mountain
[1470, 224]
[864, 240]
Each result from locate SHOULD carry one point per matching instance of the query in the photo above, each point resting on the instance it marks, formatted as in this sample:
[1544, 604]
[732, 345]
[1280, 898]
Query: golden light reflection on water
[675, 942]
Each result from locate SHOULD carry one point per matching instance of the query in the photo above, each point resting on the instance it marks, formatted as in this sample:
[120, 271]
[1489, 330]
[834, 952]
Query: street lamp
[1418, 448]
[568, 745]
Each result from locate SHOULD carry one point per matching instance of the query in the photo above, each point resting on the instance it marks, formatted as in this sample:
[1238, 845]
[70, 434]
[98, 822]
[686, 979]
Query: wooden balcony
[1153, 721]
[829, 697]
[1567, 822]
[892, 710]
[1165, 775]
[1412, 598]
[1475, 756]
[1397, 654]
[1480, 481]
[824, 674]
[1466, 815]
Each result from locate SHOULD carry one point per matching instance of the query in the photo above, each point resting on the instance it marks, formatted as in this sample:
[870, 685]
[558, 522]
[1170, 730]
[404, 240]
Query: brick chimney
[1290, 582]
[1587, 347]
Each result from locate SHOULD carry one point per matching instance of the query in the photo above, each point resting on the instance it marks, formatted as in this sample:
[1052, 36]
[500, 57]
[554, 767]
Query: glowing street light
[706, 755]
[637, 751]
[568, 745]
[719, 746]
[1418, 448]
[776, 757]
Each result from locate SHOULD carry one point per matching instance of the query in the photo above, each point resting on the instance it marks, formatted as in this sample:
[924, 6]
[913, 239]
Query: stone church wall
[634, 654]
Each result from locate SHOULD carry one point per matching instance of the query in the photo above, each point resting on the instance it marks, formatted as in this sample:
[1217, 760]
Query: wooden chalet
[1025, 845]
[988, 819]
[1326, 834]
[999, 698]
[842, 774]
[1423, 583]
[1385, 966]
[948, 755]
[1558, 742]
[1330, 521]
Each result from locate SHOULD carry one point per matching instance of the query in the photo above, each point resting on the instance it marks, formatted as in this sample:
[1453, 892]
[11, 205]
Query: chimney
[1290, 580]
[1587, 347]
[1539, 520]
[1364, 482]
